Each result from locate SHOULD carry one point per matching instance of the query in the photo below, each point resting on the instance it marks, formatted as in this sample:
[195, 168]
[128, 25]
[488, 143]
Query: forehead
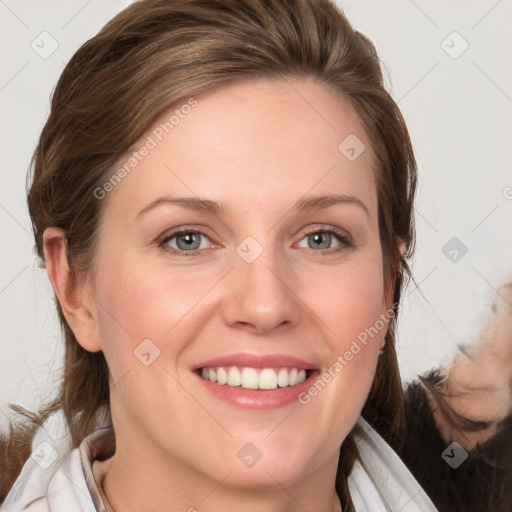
[252, 144]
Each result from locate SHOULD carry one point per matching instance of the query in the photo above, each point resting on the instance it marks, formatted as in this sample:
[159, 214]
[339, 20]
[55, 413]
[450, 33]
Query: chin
[262, 465]
[265, 477]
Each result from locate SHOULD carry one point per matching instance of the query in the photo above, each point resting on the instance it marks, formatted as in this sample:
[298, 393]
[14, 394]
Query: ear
[387, 302]
[76, 301]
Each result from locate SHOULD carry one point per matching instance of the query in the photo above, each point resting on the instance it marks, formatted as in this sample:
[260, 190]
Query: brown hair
[152, 55]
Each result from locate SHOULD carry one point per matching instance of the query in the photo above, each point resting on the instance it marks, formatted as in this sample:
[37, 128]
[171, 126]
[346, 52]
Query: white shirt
[57, 478]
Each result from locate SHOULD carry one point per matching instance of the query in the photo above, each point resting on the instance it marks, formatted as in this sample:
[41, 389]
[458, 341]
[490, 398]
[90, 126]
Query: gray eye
[320, 240]
[187, 241]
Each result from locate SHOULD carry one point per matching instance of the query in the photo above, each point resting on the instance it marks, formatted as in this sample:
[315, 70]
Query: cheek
[141, 301]
[350, 303]
[141, 298]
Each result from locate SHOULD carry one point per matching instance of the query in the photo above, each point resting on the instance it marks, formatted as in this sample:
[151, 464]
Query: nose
[260, 296]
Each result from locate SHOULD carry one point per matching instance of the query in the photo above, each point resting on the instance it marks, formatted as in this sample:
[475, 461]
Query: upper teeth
[252, 378]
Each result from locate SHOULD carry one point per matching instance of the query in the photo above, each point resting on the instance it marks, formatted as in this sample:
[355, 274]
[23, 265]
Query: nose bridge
[260, 293]
[261, 265]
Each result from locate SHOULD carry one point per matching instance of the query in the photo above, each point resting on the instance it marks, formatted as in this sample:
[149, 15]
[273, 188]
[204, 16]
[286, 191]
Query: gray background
[458, 108]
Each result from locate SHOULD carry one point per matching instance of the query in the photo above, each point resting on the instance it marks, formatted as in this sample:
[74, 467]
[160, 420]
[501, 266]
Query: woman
[223, 199]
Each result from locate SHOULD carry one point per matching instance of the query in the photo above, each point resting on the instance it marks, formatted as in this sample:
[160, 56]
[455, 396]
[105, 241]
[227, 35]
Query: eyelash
[345, 241]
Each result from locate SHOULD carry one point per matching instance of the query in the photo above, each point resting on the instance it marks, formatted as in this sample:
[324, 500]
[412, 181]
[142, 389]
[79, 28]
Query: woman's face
[255, 282]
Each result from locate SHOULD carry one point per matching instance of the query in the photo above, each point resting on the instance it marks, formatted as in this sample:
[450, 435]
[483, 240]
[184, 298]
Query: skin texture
[259, 147]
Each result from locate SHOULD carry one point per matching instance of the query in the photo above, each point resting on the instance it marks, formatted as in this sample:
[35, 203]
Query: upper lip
[257, 361]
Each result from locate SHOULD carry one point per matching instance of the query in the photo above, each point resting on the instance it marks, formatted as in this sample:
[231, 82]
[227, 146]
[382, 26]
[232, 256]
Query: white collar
[380, 481]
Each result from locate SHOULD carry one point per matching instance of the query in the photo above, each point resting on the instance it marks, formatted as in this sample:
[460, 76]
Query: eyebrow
[305, 204]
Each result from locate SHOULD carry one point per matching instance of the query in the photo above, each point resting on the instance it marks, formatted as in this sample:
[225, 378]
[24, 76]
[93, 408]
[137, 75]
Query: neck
[164, 484]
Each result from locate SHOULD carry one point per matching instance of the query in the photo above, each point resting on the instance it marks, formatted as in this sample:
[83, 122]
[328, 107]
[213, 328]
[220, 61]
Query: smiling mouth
[255, 378]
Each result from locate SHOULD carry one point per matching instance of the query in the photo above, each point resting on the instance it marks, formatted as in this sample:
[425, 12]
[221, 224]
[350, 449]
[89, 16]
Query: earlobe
[401, 245]
[389, 296]
[398, 261]
[76, 302]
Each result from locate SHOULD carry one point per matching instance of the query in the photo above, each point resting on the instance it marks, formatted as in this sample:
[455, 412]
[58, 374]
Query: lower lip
[258, 398]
